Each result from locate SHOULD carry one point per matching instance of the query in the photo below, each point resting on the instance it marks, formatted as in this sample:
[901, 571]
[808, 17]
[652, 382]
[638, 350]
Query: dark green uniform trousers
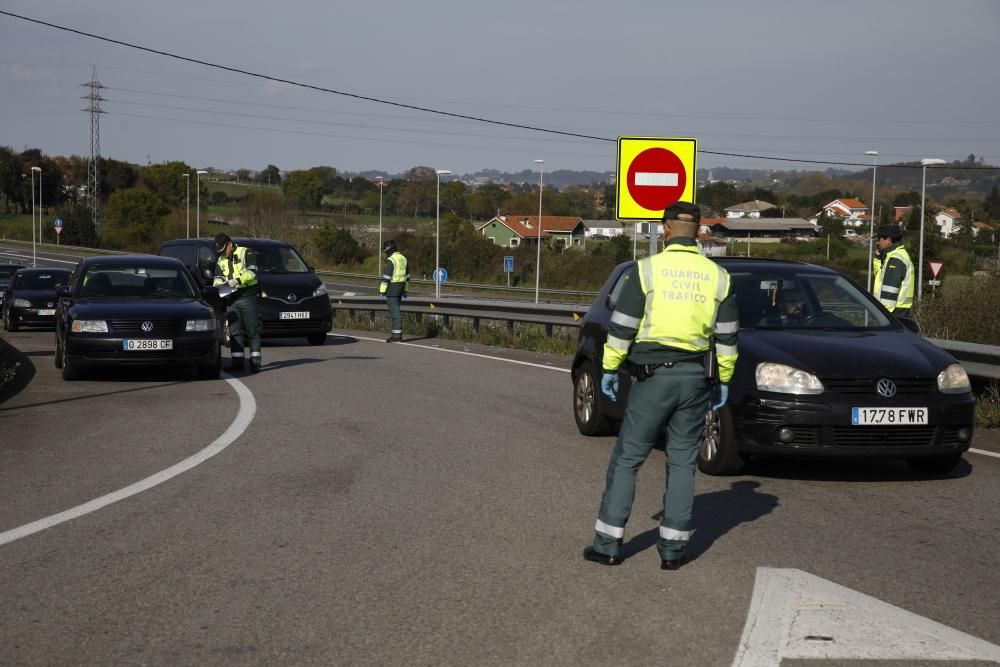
[678, 396]
[395, 316]
[244, 327]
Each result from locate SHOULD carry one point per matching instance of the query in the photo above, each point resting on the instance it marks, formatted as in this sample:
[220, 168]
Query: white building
[749, 209]
[949, 221]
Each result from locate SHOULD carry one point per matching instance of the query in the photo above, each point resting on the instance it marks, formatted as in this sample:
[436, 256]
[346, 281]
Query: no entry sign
[653, 173]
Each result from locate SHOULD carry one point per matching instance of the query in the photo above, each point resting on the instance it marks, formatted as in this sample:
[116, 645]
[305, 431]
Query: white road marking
[248, 408]
[984, 453]
[654, 178]
[796, 615]
[468, 354]
[44, 259]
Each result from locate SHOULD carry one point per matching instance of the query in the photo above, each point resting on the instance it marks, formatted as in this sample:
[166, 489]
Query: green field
[239, 190]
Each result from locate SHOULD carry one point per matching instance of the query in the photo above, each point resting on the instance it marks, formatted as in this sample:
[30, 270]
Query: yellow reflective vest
[893, 281]
[240, 265]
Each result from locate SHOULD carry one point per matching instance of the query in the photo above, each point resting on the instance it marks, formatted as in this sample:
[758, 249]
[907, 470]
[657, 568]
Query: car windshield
[102, 281]
[769, 299]
[279, 259]
[41, 281]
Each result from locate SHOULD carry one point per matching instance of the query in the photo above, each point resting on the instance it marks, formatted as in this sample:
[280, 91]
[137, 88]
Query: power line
[430, 110]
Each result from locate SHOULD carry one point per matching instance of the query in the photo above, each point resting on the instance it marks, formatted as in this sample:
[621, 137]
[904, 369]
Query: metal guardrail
[587, 296]
[979, 360]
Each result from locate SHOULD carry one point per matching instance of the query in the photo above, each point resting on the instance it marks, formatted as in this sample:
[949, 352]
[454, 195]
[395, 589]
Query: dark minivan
[293, 299]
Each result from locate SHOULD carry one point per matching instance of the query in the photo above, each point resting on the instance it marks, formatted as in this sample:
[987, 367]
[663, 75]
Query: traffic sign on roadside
[935, 267]
[653, 173]
[440, 275]
[508, 264]
[58, 224]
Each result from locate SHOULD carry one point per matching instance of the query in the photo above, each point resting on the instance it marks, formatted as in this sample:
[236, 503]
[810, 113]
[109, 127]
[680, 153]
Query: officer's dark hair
[891, 232]
[683, 211]
[389, 246]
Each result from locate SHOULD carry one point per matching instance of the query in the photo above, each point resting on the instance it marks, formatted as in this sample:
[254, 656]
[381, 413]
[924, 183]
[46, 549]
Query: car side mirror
[909, 323]
[62, 291]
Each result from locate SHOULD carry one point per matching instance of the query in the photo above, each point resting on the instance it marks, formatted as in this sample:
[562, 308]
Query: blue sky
[797, 79]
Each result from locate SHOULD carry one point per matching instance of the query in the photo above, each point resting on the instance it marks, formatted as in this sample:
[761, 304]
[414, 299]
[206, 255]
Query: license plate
[888, 416]
[136, 344]
[47, 312]
[294, 315]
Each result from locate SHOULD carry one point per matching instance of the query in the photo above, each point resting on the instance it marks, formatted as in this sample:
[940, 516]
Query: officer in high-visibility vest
[670, 309]
[892, 270]
[236, 268]
[394, 287]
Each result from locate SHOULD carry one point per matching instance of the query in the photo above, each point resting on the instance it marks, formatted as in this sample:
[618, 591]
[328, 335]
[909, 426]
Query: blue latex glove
[609, 385]
[722, 395]
[406, 295]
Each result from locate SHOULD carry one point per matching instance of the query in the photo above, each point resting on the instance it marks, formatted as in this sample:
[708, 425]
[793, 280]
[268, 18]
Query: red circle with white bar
[656, 178]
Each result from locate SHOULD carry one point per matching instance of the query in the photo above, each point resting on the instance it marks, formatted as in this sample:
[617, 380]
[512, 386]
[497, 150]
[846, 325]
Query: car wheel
[211, 371]
[935, 464]
[57, 357]
[588, 408]
[719, 454]
[9, 324]
[316, 338]
[68, 371]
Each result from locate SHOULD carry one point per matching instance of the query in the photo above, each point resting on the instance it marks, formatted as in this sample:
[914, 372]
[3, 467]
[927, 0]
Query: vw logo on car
[147, 326]
[886, 387]
[292, 297]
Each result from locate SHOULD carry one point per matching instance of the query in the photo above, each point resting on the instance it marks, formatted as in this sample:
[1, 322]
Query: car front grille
[144, 355]
[883, 436]
[159, 326]
[290, 325]
[866, 386]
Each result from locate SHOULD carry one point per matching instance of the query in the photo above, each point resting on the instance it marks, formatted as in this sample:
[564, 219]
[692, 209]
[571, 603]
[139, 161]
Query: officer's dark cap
[682, 211]
[221, 241]
[892, 232]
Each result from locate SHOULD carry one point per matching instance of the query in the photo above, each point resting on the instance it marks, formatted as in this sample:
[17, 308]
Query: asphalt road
[399, 504]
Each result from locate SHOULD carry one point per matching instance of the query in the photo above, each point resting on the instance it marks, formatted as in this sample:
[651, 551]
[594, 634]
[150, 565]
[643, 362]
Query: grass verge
[988, 408]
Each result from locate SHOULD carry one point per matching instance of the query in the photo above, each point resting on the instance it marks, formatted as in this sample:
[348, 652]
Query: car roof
[129, 260]
[49, 269]
[240, 240]
[783, 265]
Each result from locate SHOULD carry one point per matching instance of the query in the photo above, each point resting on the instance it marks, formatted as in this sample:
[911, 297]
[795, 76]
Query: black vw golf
[135, 311]
[31, 298]
[824, 370]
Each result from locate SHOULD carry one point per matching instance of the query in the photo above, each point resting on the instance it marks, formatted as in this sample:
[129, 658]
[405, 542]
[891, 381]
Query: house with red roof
[513, 230]
[853, 211]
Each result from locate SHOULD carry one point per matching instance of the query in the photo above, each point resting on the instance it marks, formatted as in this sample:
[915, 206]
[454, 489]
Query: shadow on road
[16, 370]
[715, 514]
[848, 470]
[64, 400]
[289, 363]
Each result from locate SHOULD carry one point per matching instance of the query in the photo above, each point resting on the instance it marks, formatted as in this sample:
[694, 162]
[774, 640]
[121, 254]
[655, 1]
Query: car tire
[316, 338]
[588, 402]
[57, 357]
[9, 324]
[69, 373]
[719, 453]
[938, 465]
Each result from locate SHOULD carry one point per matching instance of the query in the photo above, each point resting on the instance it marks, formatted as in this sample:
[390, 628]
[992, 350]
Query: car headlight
[954, 380]
[320, 291]
[786, 380]
[22, 303]
[200, 325]
[89, 326]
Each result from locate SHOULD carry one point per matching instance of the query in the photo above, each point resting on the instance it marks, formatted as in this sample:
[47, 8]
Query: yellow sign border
[685, 148]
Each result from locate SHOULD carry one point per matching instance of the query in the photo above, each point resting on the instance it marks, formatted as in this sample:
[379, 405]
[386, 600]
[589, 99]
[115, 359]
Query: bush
[963, 308]
[988, 408]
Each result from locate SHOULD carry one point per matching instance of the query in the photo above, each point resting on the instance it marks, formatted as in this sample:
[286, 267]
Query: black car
[6, 273]
[293, 300]
[31, 298]
[136, 311]
[824, 370]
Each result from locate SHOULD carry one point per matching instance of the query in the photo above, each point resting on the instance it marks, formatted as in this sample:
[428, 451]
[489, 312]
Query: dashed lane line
[247, 410]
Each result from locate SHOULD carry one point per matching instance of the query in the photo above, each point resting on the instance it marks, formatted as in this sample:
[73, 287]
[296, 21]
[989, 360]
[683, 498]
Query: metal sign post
[59, 226]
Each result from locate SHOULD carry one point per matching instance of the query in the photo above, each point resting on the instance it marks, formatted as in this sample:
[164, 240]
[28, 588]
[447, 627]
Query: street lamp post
[538, 245]
[437, 236]
[197, 199]
[380, 182]
[187, 189]
[926, 162]
[34, 260]
[871, 217]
